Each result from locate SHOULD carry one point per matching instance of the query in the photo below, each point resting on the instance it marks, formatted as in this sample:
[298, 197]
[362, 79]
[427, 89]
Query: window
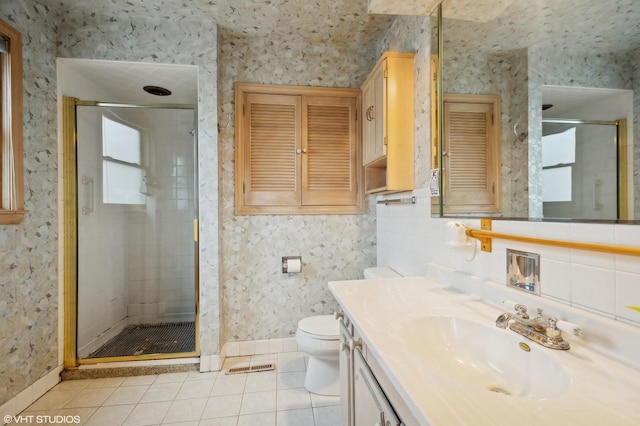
[558, 157]
[11, 174]
[297, 150]
[122, 172]
[471, 153]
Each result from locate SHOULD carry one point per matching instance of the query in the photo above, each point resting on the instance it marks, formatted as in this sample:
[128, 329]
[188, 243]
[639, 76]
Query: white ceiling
[125, 80]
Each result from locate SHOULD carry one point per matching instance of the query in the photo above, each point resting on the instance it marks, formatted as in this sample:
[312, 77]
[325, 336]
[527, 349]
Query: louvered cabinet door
[272, 158]
[471, 155]
[329, 151]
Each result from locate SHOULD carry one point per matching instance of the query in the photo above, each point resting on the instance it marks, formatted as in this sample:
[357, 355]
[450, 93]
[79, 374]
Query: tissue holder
[291, 264]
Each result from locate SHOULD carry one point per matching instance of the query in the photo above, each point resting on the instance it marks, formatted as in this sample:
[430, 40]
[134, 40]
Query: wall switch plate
[523, 271]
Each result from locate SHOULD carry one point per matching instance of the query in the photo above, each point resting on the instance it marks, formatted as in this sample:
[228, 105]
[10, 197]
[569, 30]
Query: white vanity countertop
[603, 391]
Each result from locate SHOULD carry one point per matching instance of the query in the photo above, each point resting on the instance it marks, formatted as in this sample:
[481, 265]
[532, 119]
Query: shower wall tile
[192, 41]
[28, 251]
[259, 301]
[162, 273]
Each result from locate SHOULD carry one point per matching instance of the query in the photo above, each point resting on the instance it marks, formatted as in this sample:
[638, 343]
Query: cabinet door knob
[344, 345]
[304, 150]
[353, 344]
[298, 151]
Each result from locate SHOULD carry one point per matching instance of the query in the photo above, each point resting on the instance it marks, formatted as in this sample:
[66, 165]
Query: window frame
[108, 159]
[11, 136]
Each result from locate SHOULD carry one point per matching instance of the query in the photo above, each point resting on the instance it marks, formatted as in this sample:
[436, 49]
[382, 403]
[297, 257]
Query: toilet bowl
[319, 337]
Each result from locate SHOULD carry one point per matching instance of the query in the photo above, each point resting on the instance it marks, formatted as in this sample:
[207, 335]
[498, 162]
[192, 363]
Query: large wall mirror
[563, 141]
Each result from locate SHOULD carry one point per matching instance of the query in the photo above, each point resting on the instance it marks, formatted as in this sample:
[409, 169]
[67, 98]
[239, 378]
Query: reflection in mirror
[564, 54]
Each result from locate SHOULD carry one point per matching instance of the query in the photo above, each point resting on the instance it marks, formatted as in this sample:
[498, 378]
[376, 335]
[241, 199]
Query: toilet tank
[380, 272]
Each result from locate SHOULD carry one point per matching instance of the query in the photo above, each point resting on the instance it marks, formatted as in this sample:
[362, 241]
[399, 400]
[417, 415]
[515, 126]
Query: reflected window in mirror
[11, 178]
[558, 158]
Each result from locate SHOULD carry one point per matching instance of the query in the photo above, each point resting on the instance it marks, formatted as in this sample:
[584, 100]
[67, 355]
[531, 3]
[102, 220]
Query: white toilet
[319, 337]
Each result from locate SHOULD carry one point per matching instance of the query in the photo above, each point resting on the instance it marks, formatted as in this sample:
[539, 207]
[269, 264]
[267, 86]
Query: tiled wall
[161, 248]
[102, 281]
[409, 239]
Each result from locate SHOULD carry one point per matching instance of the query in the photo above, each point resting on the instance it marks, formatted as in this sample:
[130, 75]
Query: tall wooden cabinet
[388, 124]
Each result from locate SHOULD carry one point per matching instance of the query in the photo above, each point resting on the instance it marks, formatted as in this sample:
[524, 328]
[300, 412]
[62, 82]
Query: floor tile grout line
[275, 379]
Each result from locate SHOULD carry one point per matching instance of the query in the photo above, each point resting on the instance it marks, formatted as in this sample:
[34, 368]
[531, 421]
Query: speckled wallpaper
[259, 301]
[29, 251]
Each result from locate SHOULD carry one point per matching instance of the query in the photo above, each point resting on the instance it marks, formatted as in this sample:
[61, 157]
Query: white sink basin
[487, 357]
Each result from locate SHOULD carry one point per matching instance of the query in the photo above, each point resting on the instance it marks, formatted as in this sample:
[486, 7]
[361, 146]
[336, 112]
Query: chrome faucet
[542, 331]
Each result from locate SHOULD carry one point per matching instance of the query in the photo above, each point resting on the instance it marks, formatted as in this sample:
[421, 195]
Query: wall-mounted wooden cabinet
[388, 125]
[297, 150]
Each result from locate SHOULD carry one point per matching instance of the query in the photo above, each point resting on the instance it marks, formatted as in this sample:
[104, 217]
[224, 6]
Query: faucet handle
[522, 311]
[569, 327]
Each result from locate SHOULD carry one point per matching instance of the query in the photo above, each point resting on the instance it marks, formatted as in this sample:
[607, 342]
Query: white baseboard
[247, 348]
[18, 403]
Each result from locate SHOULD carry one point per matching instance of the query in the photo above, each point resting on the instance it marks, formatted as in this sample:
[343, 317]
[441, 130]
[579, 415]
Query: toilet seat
[322, 327]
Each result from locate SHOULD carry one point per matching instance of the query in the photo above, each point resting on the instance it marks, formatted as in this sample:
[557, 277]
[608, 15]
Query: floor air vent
[251, 369]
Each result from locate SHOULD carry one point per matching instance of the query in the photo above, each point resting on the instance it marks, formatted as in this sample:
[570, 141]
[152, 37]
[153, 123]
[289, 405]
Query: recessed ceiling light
[157, 90]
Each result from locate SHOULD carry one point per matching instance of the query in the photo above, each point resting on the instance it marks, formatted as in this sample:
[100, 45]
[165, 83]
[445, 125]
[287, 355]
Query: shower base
[145, 339]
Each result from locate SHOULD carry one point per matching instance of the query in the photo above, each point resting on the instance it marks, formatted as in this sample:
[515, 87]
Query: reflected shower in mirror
[579, 56]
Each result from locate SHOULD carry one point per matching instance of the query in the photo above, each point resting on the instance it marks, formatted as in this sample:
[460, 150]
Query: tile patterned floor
[191, 398]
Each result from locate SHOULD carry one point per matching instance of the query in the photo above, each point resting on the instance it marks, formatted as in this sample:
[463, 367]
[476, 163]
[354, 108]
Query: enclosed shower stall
[136, 230]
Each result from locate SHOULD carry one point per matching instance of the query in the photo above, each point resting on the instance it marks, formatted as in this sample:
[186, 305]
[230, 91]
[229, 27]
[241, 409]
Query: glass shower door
[136, 251]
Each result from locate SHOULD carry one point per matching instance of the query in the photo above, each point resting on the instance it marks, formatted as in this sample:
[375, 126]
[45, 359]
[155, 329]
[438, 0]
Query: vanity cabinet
[388, 124]
[371, 406]
[346, 373]
[366, 395]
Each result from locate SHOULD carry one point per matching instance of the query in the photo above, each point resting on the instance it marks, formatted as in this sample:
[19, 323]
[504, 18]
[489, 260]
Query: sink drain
[498, 389]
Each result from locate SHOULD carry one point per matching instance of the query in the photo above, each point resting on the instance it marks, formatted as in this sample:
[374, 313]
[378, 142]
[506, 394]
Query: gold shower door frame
[70, 240]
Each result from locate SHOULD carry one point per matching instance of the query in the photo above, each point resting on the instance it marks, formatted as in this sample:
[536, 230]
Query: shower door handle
[89, 183]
